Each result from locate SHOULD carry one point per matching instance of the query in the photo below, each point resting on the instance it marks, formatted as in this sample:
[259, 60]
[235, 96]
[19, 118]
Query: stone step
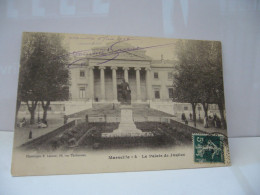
[140, 105]
[139, 110]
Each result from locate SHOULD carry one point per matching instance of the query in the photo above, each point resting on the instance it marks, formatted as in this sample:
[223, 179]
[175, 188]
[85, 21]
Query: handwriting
[111, 52]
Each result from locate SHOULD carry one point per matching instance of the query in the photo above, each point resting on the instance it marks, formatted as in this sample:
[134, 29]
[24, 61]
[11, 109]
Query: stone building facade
[97, 78]
[95, 81]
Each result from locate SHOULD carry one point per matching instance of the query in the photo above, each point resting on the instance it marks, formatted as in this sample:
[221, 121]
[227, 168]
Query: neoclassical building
[97, 79]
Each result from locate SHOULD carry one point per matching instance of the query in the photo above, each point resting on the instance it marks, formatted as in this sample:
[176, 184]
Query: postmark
[208, 148]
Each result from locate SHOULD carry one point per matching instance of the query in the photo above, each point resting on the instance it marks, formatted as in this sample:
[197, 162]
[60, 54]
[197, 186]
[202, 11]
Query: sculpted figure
[126, 92]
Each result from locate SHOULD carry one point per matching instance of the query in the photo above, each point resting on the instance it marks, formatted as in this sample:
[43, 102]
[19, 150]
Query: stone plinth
[127, 126]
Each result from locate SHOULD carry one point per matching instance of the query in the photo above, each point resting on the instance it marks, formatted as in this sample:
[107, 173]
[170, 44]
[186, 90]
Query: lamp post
[199, 111]
[29, 94]
[38, 112]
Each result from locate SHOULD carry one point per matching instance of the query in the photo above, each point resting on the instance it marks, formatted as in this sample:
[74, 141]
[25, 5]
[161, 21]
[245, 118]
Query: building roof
[118, 51]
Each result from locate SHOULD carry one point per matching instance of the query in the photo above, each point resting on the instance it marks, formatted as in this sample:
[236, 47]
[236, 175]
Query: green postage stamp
[208, 148]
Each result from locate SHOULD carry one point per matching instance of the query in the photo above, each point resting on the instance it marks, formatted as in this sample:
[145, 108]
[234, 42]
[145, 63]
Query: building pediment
[120, 51]
[112, 53]
[119, 54]
[118, 62]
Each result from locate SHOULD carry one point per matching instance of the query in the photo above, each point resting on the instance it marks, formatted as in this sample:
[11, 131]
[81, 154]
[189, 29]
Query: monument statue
[126, 127]
[126, 93]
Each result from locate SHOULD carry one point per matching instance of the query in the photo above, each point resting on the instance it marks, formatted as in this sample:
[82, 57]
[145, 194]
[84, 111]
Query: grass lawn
[88, 137]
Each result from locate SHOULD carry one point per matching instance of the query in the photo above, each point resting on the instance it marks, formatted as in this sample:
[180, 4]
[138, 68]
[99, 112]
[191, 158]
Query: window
[170, 90]
[82, 92]
[156, 75]
[157, 94]
[185, 107]
[213, 107]
[82, 73]
[170, 76]
[199, 108]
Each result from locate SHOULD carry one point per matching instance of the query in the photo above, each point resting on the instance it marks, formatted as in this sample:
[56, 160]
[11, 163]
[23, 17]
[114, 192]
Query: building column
[126, 73]
[102, 82]
[91, 83]
[148, 83]
[138, 84]
[114, 83]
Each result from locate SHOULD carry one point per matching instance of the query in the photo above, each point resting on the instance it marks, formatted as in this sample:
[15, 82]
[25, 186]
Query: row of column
[102, 81]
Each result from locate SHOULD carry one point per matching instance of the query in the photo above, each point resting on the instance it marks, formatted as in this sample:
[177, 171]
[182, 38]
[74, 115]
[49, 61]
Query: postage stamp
[208, 148]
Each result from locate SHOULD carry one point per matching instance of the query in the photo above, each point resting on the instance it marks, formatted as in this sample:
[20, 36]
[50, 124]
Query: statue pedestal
[127, 126]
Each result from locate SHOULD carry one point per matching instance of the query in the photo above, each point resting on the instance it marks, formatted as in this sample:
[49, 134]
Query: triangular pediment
[120, 51]
[117, 50]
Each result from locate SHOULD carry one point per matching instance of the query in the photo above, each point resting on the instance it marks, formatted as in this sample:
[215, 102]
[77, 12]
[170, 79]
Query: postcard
[102, 103]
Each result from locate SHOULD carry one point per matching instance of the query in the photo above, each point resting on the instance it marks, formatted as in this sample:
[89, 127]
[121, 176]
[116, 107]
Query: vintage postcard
[100, 103]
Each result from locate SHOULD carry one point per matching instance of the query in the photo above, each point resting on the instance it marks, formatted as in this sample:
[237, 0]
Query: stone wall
[76, 106]
[184, 127]
[167, 107]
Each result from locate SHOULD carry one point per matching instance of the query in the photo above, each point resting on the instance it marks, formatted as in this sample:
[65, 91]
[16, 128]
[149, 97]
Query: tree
[26, 85]
[187, 85]
[44, 76]
[198, 77]
[215, 62]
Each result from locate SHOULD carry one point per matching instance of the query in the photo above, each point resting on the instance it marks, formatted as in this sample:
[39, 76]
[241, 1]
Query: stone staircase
[139, 110]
